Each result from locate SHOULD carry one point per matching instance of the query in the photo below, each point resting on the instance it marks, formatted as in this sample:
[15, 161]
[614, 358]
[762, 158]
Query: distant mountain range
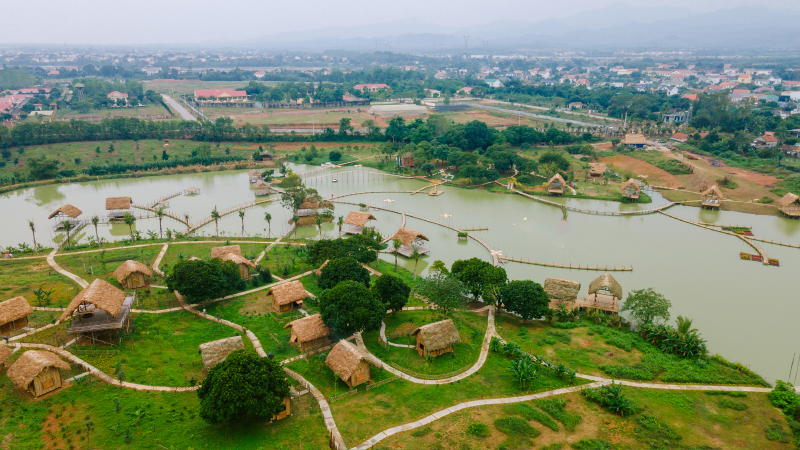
[615, 27]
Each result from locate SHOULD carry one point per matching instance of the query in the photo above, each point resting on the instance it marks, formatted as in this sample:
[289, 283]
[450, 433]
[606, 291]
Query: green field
[149, 110]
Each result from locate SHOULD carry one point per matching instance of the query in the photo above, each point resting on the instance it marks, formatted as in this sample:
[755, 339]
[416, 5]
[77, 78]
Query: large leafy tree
[444, 292]
[199, 280]
[525, 298]
[360, 247]
[244, 386]
[481, 278]
[293, 197]
[343, 269]
[350, 307]
[392, 291]
[647, 306]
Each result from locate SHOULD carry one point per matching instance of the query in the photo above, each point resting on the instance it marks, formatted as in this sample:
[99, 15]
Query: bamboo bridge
[232, 209]
[569, 266]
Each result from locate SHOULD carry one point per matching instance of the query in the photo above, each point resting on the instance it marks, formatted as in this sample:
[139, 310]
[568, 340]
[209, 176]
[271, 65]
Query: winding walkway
[593, 211]
[52, 262]
[383, 336]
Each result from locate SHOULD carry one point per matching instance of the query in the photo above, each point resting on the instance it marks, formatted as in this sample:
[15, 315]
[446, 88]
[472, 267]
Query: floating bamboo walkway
[365, 173]
[163, 199]
[475, 229]
[166, 213]
[232, 209]
[564, 208]
[569, 266]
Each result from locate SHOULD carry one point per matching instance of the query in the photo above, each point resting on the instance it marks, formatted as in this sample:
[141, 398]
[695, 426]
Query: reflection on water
[747, 311]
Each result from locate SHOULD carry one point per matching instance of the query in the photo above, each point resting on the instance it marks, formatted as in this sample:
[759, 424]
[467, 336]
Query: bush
[335, 155]
[668, 340]
[591, 444]
[530, 413]
[611, 398]
[555, 407]
[656, 432]
[516, 426]
[419, 432]
[478, 429]
[732, 404]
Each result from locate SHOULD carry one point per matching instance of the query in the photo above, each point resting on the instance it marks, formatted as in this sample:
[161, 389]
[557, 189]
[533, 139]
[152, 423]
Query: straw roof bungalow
[597, 170]
[789, 204]
[556, 185]
[254, 175]
[355, 221]
[99, 308]
[5, 352]
[712, 197]
[37, 372]
[436, 338]
[118, 206]
[309, 333]
[219, 252]
[66, 210]
[604, 294]
[634, 140]
[288, 296]
[261, 187]
[349, 363]
[14, 314]
[132, 274]
[243, 263]
[630, 189]
[215, 352]
[561, 292]
[409, 238]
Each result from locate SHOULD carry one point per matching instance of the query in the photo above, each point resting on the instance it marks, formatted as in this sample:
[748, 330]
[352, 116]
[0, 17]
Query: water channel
[746, 311]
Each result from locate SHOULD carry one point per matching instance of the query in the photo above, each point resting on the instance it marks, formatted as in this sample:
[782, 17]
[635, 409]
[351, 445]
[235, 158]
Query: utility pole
[466, 46]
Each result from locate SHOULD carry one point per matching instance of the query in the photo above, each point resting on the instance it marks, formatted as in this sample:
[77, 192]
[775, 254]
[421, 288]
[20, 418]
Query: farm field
[148, 111]
[276, 118]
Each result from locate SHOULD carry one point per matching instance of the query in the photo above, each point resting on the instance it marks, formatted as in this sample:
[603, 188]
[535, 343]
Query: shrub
[478, 429]
[516, 426]
[555, 407]
[786, 399]
[656, 432]
[611, 398]
[737, 394]
[591, 444]
[775, 432]
[530, 413]
[421, 432]
[732, 404]
[668, 340]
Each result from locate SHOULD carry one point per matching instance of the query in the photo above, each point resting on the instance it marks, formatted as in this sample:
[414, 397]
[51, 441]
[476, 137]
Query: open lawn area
[300, 118]
[22, 277]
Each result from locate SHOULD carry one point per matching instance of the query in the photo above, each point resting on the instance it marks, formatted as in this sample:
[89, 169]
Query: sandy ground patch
[654, 175]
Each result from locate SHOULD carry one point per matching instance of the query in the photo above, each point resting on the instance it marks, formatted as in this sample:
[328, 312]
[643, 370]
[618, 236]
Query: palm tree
[397, 243]
[129, 221]
[268, 218]
[340, 223]
[318, 221]
[684, 325]
[95, 221]
[160, 214]
[33, 231]
[186, 218]
[415, 256]
[215, 215]
[295, 220]
[241, 216]
[68, 226]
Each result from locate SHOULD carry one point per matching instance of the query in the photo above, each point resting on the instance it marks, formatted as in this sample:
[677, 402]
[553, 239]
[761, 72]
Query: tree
[647, 306]
[524, 372]
[68, 226]
[164, 155]
[129, 220]
[481, 277]
[684, 325]
[42, 168]
[350, 307]
[33, 231]
[340, 222]
[160, 214]
[293, 197]
[198, 280]
[415, 255]
[318, 222]
[396, 243]
[342, 269]
[243, 386]
[438, 266]
[296, 222]
[268, 218]
[361, 247]
[345, 126]
[95, 221]
[241, 216]
[525, 298]
[215, 216]
[392, 291]
[443, 291]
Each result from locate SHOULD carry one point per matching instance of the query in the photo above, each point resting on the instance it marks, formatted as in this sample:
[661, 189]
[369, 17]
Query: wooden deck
[102, 321]
[600, 302]
[407, 250]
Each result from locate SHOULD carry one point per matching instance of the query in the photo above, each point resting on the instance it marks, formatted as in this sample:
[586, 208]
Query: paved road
[561, 110]
[185, 114]
[537, 116]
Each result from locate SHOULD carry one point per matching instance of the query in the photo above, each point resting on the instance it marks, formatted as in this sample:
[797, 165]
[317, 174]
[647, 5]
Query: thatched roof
[607, 282]
[632, 183]
[288, 292]
[438, 335]
[215, 352]
[358, 218]
[68, 210]
[238, 259]
[130, 266]
[597, 168]
[14, 309]
[407, 236]
[634, 139]
[191, 190]
[557, 177]
[101, 294]
[219, 252]
[344, 359]
[254, 173]
[310, 202]
[787, 200]
[30, 364]
[261, 184]
[713, 190]
[5, 352]
[309, 328]
[563, 290]
[113, 203]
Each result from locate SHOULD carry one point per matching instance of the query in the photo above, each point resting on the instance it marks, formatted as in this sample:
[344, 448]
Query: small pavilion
[789, 205]
[118, 206]
[355, 222]
[98, 312]
[261, 188]
[410, 239]
[556, 185]
[597, 170]
[562, 292]
[234, 253]
[631, 190]
[254, 175]
[604, 295]
[133, 275]
[311, 206]
[64, 213]
[191, 191]
[712, 198]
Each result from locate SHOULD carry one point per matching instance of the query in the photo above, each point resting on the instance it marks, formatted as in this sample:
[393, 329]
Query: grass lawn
[286, 261]
[21, 277]
[203, 251]
[149, 110]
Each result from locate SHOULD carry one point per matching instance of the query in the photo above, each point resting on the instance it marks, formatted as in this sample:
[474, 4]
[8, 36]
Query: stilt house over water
[712, 198]
[311, 206]
[64, 213]
[604, 294]
[789, 205]
[133, 275]
[37, 372]
[410, 239]
[118, 206]
[349, 364]
[436, 338]
[630, 190]
[355, 222]
[556, 185]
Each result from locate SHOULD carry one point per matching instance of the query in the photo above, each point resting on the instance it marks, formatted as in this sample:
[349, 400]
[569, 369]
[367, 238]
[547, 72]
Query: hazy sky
[200, 21]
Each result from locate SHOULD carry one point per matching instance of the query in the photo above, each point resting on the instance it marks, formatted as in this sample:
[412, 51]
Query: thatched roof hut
[630, 189]
[219, 252]
[287, 296]
[606, 283]
[36, 371]
[14, 314]
[355, 221]
[712, 197]
[243, 263]
[634, 140]
[789, 204]
[66, 210]
[98, 295]
[409, 238]
[556, 184]
[597, 169]
[5, 352]
[131, 274]
[436, 338]
[118, 203]
[604, 294]
[215, 352]
[309, 332]
[349, 363]
[561, 291]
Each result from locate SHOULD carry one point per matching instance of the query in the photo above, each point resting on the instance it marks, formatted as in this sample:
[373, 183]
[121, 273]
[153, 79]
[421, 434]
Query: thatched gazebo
[789, 205]
[215, 352]
[349, 364]
[5, 352]
[37, 372]
[118, 206]
[436, 338]
[712, 197]
[14, 314]
[309, 333]
[631, 190]
[191, 191]
[604, 294]
[311, 206]
[634, 140]
[254, 175]
[561, 292]
[597, 170]
[556, 185]
[355, 221]
[408, 239]
[288, 296]
[64, 213]
[133, 275]
[261, 188]
[98, 310]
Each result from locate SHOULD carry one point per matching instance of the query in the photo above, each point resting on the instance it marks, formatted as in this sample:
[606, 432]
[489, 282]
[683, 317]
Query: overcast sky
[112, 22]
